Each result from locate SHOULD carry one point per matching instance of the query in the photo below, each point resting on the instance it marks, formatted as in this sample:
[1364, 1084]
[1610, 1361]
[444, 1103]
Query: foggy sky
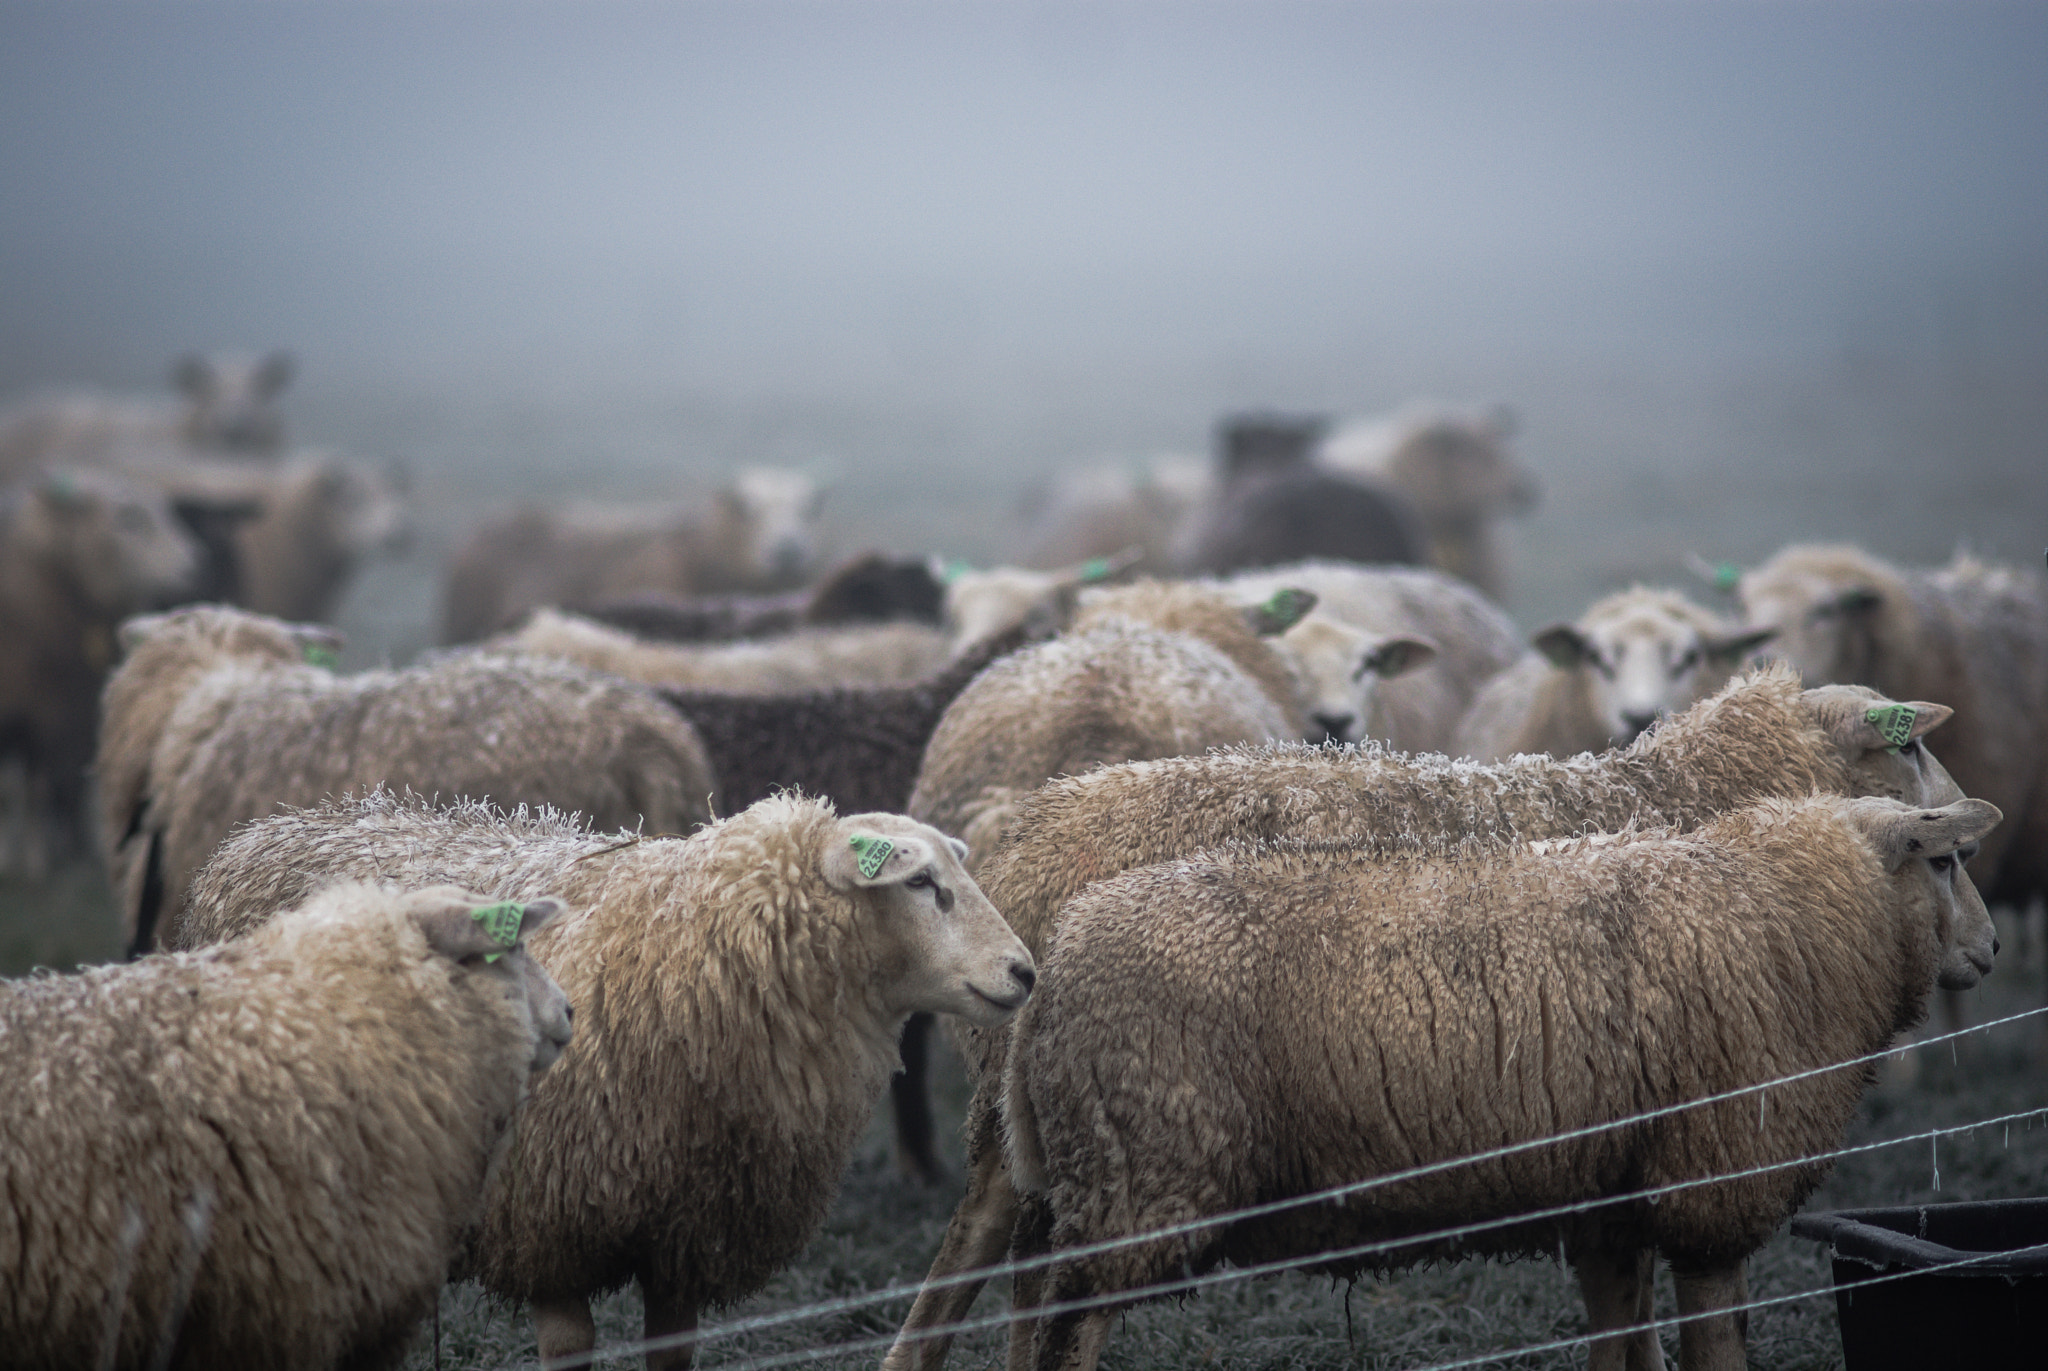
[947, 195]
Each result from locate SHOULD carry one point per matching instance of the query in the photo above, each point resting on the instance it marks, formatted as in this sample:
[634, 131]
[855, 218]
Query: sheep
[1455, 469]
[1271, 517]
[1631, 659]
[984, 604]
[1154, 669]
[80, 550]
[227, 408]
[267, 1153]
[1408, 1010]
[1969, 634]
[870, 654]
[1762, 736]
[216, 718]
[739, 997]
[869, 588]
[758, 534]
[1101, 512]
[1416, 710]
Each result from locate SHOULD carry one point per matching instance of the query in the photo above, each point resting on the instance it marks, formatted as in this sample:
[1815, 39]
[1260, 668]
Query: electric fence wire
[1332, 1195]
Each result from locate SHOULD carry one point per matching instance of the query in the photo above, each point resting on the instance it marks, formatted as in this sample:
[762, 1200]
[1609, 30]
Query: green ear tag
[1094, 569]
[954, 570]
[501, 924]
[1287, 607]
[1727, 575]
[873, 852]
[1894, 724]
[320, 655]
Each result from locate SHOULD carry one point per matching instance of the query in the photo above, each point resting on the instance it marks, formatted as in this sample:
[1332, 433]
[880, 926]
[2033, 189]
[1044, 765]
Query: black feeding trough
[1968, 1287]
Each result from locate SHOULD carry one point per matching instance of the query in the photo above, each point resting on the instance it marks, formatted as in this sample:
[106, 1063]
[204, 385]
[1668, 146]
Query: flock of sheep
[1247, 849]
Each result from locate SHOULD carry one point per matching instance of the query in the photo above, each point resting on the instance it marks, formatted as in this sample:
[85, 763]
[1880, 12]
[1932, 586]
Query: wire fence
[1356, 1253]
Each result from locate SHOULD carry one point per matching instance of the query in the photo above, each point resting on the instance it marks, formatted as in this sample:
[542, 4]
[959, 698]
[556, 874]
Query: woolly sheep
[227, 407]
[1416, 710]
[1762, 736]
[1618, 976]
[265, 1154]
[216, 718]
[1971, 635]
[980, 605]
[80, 550]
[1631, 659]
[1457, 471]
[739, 997]
[759, 533]
[868, 588]
[872, 654]
[1154, 669]
[1268, 518]
[1101, 512]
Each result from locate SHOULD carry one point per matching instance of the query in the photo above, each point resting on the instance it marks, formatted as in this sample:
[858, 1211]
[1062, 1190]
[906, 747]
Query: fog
[599, 244]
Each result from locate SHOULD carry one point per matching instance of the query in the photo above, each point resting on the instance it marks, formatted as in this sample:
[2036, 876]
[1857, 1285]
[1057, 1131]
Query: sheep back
[331, 1089]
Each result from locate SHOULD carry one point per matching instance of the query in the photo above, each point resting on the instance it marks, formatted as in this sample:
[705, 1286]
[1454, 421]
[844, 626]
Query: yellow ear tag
[1894, 724]
[873, 852]
[501, 924]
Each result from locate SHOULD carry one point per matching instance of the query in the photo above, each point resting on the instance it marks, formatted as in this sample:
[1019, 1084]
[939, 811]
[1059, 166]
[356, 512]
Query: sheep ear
[459, 925]
[1854, 601]
[1902, 834]
[858, 856]
[960, 848]
[1735, 646]
[1282, 610]
[1096, 570]
[1724, 577]
[319, 645]
[1395, 656]
[1563, 646]
[133, 633]
[1892, 726]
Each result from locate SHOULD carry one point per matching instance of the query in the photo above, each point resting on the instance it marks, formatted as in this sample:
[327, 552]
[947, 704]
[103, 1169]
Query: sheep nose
[1636, 722]
[1024, 975]
[1334, 726]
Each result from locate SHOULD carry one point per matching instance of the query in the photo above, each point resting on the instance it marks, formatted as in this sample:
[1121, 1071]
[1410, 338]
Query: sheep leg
[1072, 1341]
[977, 1236]
[1715, 1343]
[564, 1331]
[667, 1319]
[1027, 1288]
[1619, 1287]
[917, 1149]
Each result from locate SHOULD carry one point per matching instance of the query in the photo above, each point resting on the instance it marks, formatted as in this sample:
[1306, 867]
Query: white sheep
[1762, 736]
[217, 717]
[1416, 709]
[807, 659]
[265, 1154]
[228, 406]
[739, 994]
[1321, 1015]
[759, 532]
[1632, 658]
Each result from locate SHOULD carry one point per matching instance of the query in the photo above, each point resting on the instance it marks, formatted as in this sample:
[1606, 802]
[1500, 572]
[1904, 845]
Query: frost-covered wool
[1762, 736]
[331, 1092]
[808, 659]
[215, 719]
[1972, 635]
[738, 1001]
[1318, 1016]
[1148, 670]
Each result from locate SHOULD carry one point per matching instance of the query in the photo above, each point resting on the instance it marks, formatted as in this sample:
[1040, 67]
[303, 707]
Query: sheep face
[1459, 471]
[1823, 603]
[945, 949]
[490, 938]
[1906, 771]
[1646, 654]
[229, 400]
[779, 512]
[1339, 668]
[116, 542]
[1925, 850]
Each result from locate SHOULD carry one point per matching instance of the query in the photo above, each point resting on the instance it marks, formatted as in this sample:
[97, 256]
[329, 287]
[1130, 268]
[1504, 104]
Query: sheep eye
[921, 880]
[1942, 863]
[1687, 662]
